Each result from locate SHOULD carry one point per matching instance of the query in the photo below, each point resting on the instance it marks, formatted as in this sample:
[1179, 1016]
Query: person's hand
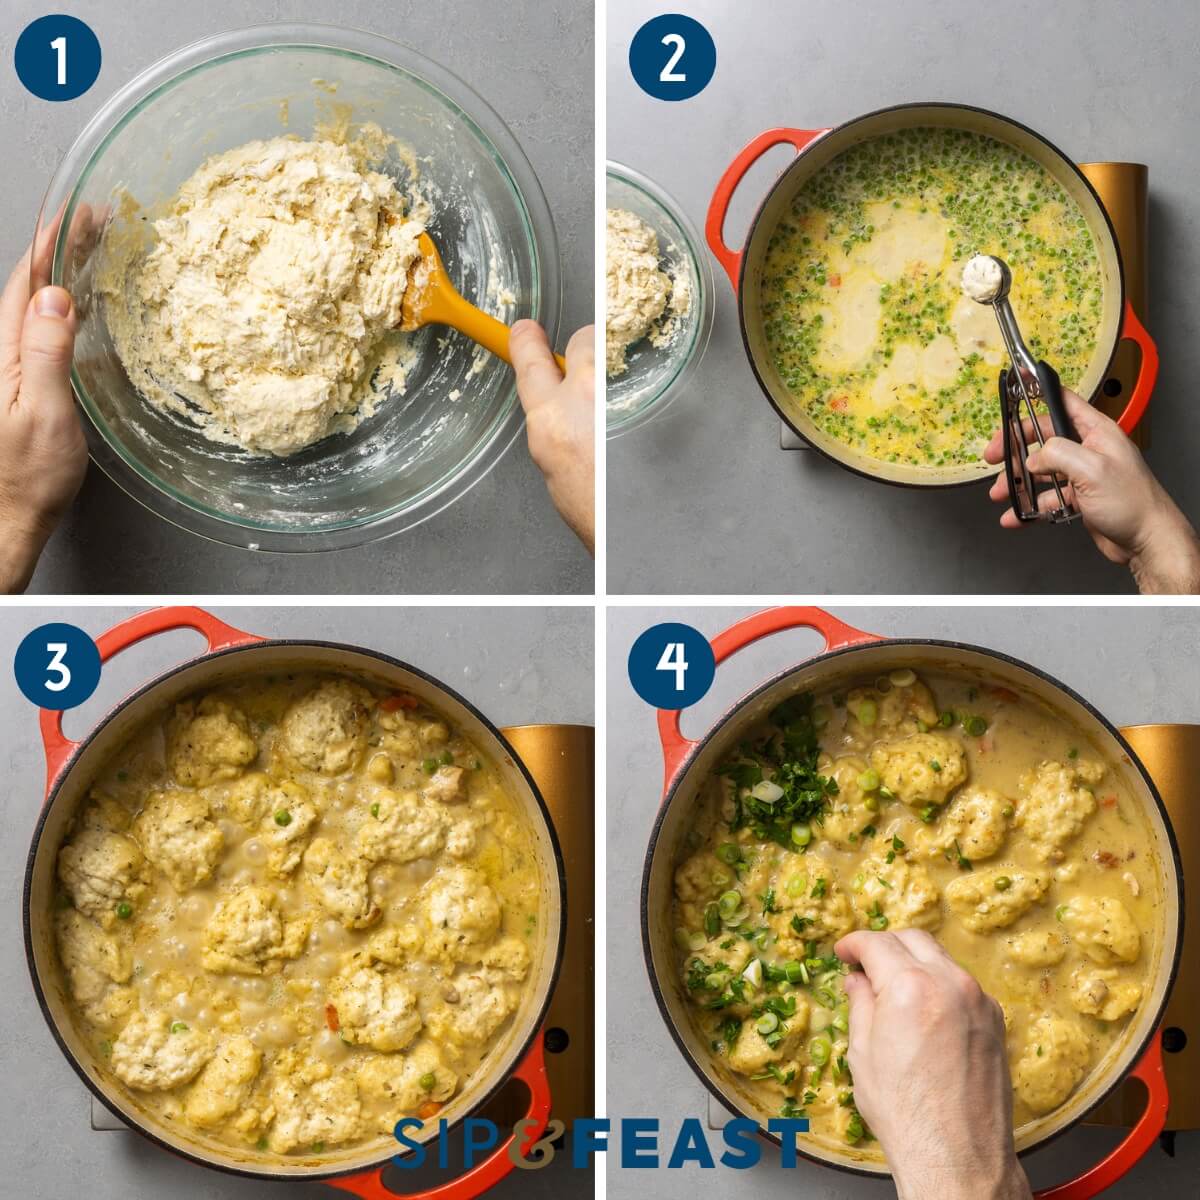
[43, 455]
[930, 1071]
[560, 411]
[1126, 510]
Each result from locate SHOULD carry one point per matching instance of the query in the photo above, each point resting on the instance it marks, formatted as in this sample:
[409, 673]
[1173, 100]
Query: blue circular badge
[672, 57]
[57, 666]
[671, 665]
[57, 57]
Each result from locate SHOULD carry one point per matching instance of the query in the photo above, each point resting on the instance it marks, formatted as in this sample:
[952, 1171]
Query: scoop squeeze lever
[431, 299]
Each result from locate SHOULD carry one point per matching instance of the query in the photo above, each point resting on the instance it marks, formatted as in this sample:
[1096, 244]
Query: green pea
[1003, 883]
[178, 1027]
[124, 910]
[283, 817]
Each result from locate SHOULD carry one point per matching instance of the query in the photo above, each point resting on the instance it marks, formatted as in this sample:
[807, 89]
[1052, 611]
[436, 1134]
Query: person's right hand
[1126, 510]
[930, 1070]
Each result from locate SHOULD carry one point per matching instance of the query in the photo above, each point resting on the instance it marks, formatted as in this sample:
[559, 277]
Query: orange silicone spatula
[430, 299]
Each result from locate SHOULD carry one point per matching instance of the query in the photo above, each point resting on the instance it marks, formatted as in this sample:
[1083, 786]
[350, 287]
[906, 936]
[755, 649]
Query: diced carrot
[835, 281]
[398, 700]
[1106, 858]
[430, 1108]
[1003, 693]
[1109, 802]
[839, 404]
[331, 1018]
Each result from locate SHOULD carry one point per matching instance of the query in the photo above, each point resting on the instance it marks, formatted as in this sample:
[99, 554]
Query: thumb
[533, 361]
[47, 343]
[862, 1009]
[1061, 456]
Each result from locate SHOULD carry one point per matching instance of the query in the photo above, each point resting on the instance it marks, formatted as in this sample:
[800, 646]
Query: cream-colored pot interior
[210, 672]
[828, 147]
[836, 671]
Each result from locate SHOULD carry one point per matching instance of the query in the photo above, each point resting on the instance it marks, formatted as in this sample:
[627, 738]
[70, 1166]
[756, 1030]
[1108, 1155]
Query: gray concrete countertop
[703, 500]
[535, 68]
[519, 665]
[1126, 661]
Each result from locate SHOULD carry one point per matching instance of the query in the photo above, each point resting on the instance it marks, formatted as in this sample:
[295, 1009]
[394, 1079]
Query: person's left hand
[560, 411]
[43, 454]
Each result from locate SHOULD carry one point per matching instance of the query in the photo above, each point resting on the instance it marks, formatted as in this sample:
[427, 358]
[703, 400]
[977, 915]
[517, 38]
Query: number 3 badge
[57, 666]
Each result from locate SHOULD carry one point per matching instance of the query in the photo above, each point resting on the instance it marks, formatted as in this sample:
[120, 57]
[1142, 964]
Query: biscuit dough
[641, 299]
[273, 277]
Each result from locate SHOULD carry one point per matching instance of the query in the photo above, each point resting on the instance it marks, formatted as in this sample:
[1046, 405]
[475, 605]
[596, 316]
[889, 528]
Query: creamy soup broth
[937, 803]
[862, 307]
[295, 910]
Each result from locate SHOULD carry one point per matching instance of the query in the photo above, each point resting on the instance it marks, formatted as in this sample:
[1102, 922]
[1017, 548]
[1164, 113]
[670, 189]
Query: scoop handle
[531, 1071]
[1140, 1139]
[1051, 386]
[219, 636]
[837, 634]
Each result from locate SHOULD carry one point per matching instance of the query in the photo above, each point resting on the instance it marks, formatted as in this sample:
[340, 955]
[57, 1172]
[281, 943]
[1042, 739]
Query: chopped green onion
[794, 970]
[801, 834]
[868, 712]
[820, 716]
[697, 941]
[375, 809]
[825, 998]
[869, 780]
[886, 793]
[903, 677]
[928, 813]
[712, 920]
[767, 792]
[819, 1049]
[878, 922]
[1060, 912]
[178, 1027]
[446, 758]
[767, 1023]
[753, 974]
[728, 853]
[797, 885]
[729, 903]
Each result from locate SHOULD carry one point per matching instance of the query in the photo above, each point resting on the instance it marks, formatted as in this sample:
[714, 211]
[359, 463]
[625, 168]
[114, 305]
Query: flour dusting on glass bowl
[420, 448]
[658, 366]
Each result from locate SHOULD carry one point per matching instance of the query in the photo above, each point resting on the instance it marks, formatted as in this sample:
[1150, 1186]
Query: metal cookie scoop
[987, 280]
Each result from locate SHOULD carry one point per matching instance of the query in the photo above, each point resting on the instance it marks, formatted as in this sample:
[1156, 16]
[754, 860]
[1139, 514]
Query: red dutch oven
[851, 655]
[815, 148]
[233, 654]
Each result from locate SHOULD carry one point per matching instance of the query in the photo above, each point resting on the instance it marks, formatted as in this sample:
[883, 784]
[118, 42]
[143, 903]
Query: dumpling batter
[642, 300]
[275, 274]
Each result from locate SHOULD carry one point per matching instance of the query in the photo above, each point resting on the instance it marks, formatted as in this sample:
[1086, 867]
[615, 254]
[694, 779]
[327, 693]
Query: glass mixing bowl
[655, 375]
[422, 449]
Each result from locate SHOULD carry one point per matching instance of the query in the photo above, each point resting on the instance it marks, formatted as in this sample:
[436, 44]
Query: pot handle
[837, 634]
[532, 1072]
[718, 207]
[1141, 1137]
[1135, 331]
[57, 745]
